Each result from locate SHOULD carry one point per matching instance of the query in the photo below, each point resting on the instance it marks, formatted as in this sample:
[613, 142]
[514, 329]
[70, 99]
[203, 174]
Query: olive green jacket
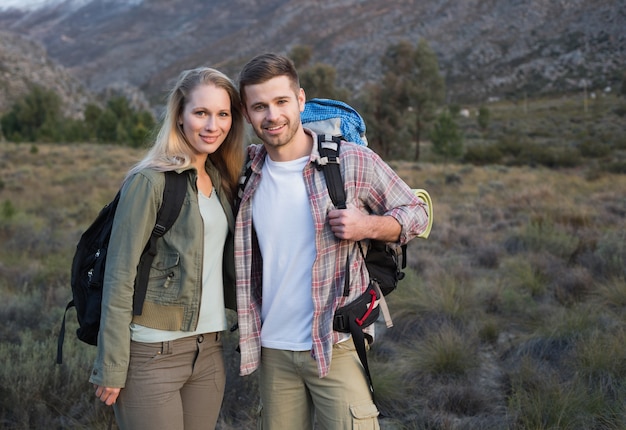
[175, 283]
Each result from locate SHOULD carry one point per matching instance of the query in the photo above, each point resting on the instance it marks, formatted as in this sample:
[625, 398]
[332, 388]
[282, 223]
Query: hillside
[512, 315]
[24, 63]
[486, 48]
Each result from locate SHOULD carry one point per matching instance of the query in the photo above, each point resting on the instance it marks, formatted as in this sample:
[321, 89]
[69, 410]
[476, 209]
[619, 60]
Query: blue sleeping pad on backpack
[335, 118]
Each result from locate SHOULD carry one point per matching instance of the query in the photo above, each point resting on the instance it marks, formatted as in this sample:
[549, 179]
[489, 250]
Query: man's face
[273, 110]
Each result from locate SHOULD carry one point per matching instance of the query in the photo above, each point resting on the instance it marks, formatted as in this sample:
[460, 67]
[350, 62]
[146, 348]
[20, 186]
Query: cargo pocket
[164, 279]
[364, 416]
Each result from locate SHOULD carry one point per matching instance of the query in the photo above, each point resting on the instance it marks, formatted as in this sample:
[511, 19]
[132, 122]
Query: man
[291, 247]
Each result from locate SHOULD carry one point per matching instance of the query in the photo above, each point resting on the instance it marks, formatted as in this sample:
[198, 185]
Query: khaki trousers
[293, 396]
[173, 385]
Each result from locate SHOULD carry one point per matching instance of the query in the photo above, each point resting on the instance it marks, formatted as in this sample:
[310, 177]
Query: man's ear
[301, 99]
[245, 113]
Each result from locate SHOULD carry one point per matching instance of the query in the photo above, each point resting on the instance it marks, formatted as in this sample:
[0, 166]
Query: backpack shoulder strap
[173, 197]
[328, 147]
[246, 172]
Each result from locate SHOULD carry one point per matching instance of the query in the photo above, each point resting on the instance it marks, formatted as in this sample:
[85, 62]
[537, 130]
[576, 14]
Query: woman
[164, 369]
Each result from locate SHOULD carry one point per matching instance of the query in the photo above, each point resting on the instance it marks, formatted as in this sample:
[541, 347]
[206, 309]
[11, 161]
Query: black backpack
[89, 261]
[384, 262]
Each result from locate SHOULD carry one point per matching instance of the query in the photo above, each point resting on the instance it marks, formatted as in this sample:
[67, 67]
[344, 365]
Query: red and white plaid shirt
[372, 186]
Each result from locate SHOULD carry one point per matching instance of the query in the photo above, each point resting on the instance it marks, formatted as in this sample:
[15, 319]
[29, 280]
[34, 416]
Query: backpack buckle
[340, 324]
[159, 230]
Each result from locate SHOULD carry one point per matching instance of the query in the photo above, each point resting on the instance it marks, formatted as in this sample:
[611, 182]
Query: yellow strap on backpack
[423, 194]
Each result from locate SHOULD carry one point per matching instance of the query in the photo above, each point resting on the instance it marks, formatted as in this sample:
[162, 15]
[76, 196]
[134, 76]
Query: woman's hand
[107, 395]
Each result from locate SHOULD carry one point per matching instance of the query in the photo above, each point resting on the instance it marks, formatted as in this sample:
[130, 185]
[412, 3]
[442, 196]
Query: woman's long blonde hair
[171, 150]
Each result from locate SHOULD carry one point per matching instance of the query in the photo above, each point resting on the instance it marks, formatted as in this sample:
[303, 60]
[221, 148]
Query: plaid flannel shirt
[372, 186]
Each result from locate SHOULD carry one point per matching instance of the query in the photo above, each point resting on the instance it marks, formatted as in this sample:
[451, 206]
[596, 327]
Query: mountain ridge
[486, 48]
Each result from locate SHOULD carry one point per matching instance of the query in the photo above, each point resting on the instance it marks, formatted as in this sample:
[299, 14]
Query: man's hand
[107, 395]
[352, 224]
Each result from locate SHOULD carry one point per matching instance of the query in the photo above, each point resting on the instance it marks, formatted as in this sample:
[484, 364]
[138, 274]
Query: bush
[483, 117]
[446, 137]
[446, 353]
[38, 118]
[618, 167]
[534, 154]
[594, 149]
[511, 145]
[482, 154]
[540, 237]
[34, 117]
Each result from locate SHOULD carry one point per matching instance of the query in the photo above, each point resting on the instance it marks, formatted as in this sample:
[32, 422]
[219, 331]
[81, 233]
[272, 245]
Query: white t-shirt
[282, 219]
[212, 312]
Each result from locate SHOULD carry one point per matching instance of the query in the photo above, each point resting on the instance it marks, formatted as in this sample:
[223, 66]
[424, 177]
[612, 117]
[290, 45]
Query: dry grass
[512, 315]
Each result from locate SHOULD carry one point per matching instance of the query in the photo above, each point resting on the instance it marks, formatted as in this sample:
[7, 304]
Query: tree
[413, 84]
[301, 55]
[34, 117]
[319, 81]
[92, 114]
[446, 137]
[119, 123]
[382, 122]
[144, 124]
[483, 117]
[106, 127]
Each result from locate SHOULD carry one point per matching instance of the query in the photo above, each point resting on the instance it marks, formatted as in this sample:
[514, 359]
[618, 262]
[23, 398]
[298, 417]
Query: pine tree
[413, 84]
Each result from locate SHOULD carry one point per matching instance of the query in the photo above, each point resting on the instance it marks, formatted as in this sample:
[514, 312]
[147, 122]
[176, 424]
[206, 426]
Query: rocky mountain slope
[486, 48]
[24, 63]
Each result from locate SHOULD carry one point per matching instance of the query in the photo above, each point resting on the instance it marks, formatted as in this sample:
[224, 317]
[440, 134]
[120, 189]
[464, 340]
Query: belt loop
[166, 347]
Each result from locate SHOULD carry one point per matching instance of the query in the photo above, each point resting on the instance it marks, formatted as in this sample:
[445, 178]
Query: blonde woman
[164, 369]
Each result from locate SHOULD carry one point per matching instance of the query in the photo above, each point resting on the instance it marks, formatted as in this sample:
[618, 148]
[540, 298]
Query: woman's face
[206, 118]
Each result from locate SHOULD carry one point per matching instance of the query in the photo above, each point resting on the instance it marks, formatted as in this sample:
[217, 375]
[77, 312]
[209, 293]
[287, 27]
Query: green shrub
[618, 167]
[482, 154]
[541, 402]
[29, 375]
[511, 144]
[541, 155]
[483, 118]
[610, 256]
[446, 352]
[521, 274]
[612, 295]
[601, 361]
[8, 210]
[544, 236]
[446, 137]
[594, 149]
